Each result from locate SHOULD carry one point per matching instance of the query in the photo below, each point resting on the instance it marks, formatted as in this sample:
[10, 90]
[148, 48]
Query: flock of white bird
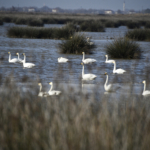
[107, 87]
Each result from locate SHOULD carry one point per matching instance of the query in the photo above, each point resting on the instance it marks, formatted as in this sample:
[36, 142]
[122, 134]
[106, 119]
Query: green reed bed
[72, 121]
[133, 25]
[92, 26]
[139, 34]
[123, 48]
[76, 45]
[35, 22]
[45, 33]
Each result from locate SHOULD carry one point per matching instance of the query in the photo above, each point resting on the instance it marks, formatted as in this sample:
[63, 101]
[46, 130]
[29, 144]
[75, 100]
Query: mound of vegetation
[92, 26]
[45, 33]
[76, 45]
[139, 34]
[35, 22]
[133, 25]
[123, 48]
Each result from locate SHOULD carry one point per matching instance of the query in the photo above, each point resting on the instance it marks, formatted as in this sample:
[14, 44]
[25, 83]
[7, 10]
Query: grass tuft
[139, 34]
[76, 45]
[123, 48]
[92, 26]
[35, 22]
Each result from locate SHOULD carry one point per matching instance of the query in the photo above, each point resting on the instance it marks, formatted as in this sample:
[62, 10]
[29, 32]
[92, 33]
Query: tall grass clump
[139, 34]
[92, 26]
[45, 33]
[133, 25]
[72, 121]
[21, 21]
[35, 22]
[123, 48]
[76, 45]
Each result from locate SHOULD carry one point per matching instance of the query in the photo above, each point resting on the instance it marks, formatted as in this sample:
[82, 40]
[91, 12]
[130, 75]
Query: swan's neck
[24, 61]
[106, 81]
[114, 66]
[106, 58]
[144, 87]
[82, 70]
[83, 56]
[40, 88]
[9, 57]
[18, 56]
[51, 87]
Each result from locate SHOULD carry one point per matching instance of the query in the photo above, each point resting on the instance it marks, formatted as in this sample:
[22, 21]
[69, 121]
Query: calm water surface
[44, 53]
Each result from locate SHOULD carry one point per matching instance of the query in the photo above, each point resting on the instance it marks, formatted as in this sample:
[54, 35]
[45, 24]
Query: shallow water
[44, 53]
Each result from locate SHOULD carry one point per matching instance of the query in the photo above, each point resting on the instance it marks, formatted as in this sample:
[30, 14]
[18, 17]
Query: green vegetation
[139, 34]
[92, 26]
[45, 33]
[133, 25]
[76, 45]
[99, 21]
[123, 48]
[36, 22]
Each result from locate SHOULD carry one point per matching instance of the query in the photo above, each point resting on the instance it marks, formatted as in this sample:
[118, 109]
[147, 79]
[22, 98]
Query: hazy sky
[75, 4]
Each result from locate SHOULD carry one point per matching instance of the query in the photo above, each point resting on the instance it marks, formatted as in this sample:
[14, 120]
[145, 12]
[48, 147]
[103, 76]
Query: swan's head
[144, 81]
[8, 52]
[82, 64]
[105, 73]
[39, 84]
[114, 62]
[82, 52]
[23, 53]
[50, 83]
[106, 55]
[17, 53]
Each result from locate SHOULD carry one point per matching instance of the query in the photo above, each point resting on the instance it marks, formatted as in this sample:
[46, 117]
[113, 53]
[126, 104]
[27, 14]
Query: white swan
[108, 61]
[52, 92]
[40, 92]
[145, 92]
[119, 71]
[110, 87]
[87, 76]
[19, 59]
[62, 60]
[88, 60]
[27, 65]
[14, 60]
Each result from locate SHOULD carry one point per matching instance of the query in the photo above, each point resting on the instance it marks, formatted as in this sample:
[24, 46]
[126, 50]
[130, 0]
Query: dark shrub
[35, 22]
[109, 24]
[139, 34]
[92, 26]
[123, 48]
[76, 45]
[7, 19]
[133, 25]
[21, 21]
